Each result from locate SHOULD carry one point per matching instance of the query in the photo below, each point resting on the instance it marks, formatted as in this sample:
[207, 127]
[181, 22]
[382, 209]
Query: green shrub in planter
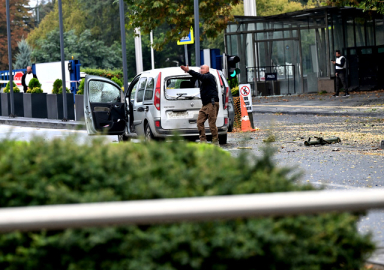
[56, 86]
[44, 173]
[33, 83]
[81, 88]
[7, 88]
[61, 90]
[36, 90]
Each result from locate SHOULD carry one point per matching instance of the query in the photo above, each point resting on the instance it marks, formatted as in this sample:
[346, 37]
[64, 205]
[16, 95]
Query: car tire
[223, 139]
[230, 127]
[123, 138]
[148, 133]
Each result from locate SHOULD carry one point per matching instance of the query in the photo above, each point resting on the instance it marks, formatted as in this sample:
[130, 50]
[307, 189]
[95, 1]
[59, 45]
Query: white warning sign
[245, 91]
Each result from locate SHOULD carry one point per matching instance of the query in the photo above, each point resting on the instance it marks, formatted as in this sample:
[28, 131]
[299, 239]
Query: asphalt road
[355, 163]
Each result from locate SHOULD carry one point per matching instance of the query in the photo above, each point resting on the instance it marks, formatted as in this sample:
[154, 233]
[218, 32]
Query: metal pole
[65, 113]
[123, 45]
[138, 52]
[197, 33]
[12, 100]
[188, 209]
[186, 54]
[152, 52]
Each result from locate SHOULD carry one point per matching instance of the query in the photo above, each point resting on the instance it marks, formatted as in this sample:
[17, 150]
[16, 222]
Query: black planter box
[79, 105]
[55, 106]
[52, 106]
[6, 104]
[70, 106]
[35, 105]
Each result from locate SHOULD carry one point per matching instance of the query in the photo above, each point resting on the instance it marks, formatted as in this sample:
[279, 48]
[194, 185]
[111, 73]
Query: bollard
[319, 140]
[382, 144]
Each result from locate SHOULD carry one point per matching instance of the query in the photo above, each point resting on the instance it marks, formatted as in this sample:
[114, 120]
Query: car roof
[173, 71]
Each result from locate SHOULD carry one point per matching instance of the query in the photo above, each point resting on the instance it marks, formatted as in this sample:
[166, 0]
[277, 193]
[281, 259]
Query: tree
[20, 25]
[364, 4]
[23, 58]
[73, 19]
[91, 53]
[274, 7]
[179, 15]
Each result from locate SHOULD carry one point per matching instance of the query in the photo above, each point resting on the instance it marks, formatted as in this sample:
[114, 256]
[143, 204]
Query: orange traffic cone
[245, 123]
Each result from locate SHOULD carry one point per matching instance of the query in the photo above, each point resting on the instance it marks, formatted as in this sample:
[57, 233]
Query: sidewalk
[367, 104]
[41, 123]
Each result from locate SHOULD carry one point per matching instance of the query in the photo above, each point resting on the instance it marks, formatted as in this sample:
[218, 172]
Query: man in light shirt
[27, 77]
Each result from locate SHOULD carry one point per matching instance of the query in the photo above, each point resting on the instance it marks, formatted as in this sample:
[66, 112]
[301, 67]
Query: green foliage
[117, 81]
[36, 90]
[56, 86]
[23, 57]
[214, 16]
[34, 83]
[7, 88]
[81, 88]
[365, 4]
[61, 90]
[91, 52]
[235, 91]
[117, 73]
[233, 82]
[65, 172]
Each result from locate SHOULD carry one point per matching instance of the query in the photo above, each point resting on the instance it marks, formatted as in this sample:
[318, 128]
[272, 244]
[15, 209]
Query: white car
[158, 104]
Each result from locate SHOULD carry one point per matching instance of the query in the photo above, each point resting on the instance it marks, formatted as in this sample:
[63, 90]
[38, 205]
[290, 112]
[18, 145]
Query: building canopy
[299, 47]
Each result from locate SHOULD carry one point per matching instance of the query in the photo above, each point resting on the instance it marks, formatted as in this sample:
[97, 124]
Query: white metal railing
[187, 209]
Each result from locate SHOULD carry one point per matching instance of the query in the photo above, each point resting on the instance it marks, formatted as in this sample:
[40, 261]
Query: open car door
[104, 111]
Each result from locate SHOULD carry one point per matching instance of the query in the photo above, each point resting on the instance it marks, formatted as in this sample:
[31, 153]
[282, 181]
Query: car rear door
[104, 107]
[181, 103]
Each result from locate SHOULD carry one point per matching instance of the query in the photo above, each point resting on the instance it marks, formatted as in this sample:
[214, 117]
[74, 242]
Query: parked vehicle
[158, 103]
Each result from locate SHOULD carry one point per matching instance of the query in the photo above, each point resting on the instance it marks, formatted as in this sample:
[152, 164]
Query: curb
[55, 124]
[320, 113]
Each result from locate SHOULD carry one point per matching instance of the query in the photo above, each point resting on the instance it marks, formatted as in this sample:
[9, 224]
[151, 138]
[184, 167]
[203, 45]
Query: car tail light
[225, 121]
[157, 123]
[226, 98]
[157, 92]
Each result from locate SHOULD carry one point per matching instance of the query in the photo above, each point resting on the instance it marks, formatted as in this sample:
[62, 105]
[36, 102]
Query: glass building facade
[299, 46]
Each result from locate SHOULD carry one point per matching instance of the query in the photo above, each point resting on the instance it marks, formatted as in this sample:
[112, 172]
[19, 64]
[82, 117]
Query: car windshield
[182, 88]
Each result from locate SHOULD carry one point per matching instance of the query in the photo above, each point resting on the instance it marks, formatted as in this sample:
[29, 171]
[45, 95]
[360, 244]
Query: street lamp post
[10, 60]
[197, 33]
[65, 113]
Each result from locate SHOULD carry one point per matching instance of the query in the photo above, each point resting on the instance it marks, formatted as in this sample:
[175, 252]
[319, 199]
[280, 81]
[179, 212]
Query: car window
[134, 88]
[140, 89]
[149, 89]
[103, 92]
[180, 88]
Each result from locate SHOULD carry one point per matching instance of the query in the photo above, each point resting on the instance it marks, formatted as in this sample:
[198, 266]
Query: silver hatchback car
[158, 103]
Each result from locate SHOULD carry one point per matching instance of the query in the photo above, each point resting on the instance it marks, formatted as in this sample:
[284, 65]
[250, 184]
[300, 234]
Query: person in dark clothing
[27, 77]
[340, 72]
[210, 99]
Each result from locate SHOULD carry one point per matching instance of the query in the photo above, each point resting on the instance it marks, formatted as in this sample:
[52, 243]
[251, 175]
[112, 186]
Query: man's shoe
[335, 95]
[202, 141]
[346, 95]
[216, 143]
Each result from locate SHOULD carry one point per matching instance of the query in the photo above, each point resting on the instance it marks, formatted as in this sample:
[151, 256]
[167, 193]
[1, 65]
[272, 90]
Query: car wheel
[230, 127]
[148, 133]
[123, 138]
[223, 139]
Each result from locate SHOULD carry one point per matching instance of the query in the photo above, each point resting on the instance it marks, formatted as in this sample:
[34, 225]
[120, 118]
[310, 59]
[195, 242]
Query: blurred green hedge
[64, 172]
[104, 72]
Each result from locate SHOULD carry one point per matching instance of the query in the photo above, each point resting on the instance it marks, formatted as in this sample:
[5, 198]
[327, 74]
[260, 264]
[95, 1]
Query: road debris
[320, 140]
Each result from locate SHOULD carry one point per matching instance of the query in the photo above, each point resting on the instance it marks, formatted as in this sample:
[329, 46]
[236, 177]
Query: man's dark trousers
[340, 79]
